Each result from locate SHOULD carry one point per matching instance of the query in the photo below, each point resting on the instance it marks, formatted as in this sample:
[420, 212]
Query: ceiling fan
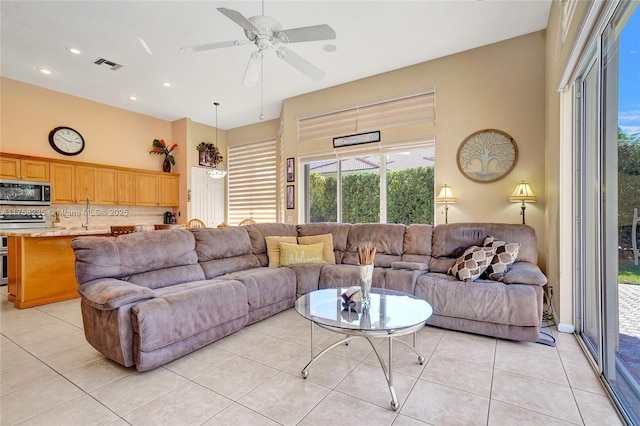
[267, 33]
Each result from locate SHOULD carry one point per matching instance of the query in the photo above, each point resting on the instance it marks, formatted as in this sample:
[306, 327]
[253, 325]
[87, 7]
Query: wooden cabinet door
[126, 188]
[62, 182]
[85, 183]
[107, 186]
[34, 170]
[10, 168]
[169, 190]
[146, 189]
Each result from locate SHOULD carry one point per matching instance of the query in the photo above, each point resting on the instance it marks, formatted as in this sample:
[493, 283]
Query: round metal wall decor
[487, 155]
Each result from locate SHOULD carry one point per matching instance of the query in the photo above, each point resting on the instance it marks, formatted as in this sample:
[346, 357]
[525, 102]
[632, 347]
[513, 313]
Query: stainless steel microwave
[24, 193]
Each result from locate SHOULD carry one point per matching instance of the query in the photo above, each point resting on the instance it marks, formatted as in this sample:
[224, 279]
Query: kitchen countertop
[63, 231]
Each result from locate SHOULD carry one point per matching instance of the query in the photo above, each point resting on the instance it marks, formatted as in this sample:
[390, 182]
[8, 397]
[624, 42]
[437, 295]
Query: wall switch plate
[289, 218]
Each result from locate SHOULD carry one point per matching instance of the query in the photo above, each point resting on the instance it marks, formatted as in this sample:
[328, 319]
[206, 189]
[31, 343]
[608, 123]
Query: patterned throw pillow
[505, 255]
[473, 262]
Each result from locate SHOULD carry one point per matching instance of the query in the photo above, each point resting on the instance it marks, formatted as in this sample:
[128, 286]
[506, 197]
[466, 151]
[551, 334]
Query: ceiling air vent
[105, 63]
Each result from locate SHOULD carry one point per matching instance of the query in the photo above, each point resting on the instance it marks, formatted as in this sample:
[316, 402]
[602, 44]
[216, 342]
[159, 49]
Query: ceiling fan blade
[301, 64]
[254, 67]
[211, 46]
[313, 33]
[238, 18]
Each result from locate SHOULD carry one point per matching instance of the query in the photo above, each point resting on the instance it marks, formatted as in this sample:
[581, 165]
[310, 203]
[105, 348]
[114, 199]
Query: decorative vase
[365, 275]
[166, 166]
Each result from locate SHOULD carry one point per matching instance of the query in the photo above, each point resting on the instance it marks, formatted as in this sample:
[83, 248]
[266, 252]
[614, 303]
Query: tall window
[607, 192]
[252, 182]
[388, 187]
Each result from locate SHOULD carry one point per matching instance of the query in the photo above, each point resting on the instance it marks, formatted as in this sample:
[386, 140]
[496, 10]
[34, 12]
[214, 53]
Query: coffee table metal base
[369, 335]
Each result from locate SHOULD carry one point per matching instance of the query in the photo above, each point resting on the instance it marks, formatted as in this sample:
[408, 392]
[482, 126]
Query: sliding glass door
[607, 193]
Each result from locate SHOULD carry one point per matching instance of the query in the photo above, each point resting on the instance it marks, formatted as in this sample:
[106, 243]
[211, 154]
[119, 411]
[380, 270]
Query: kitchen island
[41, 266]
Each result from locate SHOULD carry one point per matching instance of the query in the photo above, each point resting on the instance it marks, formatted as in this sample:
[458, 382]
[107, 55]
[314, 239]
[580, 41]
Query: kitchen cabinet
[107, 186]
[85, 183]
[169, 190]
[146, 189]
[71, 184]
[24, 169]
[126, 188]
[62, 180]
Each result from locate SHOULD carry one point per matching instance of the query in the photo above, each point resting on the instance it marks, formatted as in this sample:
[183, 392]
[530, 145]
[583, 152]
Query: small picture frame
[291, 203]
[291, 169]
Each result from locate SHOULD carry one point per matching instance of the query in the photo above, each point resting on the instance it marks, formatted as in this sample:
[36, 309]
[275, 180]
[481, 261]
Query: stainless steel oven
[5, 262]
[14, 218]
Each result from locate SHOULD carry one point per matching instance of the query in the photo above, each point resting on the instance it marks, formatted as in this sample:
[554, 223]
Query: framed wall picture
[487, 155]
[291, 169]
[291, 201]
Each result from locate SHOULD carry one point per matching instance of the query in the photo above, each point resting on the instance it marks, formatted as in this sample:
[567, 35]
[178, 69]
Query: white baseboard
[566, 328]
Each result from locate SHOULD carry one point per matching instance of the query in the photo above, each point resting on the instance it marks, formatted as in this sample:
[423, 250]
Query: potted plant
[160, 147]
[209, 154]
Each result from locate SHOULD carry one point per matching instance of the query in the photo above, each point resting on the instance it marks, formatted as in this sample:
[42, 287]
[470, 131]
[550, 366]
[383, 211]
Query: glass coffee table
[390, 314]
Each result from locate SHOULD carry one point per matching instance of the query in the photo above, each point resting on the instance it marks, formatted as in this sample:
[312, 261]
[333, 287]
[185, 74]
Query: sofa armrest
[524, 273]
[110, 293]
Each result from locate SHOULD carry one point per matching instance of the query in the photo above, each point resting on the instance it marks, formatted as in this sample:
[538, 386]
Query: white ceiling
[372, 37]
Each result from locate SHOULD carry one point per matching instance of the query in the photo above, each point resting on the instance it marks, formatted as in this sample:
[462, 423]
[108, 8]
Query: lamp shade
[523, 193]
[446, 195]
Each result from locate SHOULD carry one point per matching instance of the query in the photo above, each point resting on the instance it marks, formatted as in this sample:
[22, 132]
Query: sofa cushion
[224, 250]
[387, 238]
[485, 301]
[267, 286]
[291, 254]
[129, 254]
[339, 233]
[505, 255]
[174, 317]
[273, 248]
[327, 251]
[258, 231]
[335, 276]
[473, 262]
[417, 243]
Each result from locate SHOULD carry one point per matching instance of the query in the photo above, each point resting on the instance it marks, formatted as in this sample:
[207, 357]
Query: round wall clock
[487, 155]
[66, 140]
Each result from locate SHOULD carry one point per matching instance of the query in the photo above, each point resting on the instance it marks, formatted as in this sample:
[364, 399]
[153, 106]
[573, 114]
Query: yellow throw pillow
[327, 252]
[273, 248]
[292, 254]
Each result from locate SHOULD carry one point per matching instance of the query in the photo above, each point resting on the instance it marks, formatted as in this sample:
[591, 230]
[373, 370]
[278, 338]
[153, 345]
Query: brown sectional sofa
[148, 298]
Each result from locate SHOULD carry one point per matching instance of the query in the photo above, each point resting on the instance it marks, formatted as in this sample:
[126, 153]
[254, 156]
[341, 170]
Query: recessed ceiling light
[166, 84]
[74, 50]
[133, 98]
[44, 70]
[330, 47]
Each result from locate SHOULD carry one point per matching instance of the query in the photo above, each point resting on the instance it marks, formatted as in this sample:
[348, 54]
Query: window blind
[252, 182]
[372, 116]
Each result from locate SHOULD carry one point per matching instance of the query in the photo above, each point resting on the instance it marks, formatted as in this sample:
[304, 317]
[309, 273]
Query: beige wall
[113, 136]
[498, 86]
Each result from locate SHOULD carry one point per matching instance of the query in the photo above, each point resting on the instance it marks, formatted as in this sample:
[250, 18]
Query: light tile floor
[51, 376]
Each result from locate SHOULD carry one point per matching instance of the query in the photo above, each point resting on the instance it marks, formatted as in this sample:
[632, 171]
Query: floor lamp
[446, 196]
[524, 194]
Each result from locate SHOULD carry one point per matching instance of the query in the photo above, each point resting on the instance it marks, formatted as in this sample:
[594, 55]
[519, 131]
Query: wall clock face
[487, 155]
[66, 141]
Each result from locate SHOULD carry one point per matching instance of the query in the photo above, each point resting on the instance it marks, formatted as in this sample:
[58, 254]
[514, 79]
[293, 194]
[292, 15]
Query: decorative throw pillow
[505, 255]
[292, 254]
[327, 239]
[273, 248]
[473, 262]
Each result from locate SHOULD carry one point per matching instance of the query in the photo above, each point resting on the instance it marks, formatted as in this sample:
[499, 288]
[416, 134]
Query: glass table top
[389, 310]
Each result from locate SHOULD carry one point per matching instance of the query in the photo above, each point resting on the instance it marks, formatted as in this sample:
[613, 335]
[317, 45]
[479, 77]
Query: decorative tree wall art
[487, 155]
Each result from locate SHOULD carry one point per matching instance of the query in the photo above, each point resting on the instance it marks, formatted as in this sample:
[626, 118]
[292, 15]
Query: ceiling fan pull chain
[261, 117]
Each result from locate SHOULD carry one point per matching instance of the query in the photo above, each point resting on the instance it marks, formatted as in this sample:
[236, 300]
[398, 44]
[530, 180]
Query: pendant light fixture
[217, 173]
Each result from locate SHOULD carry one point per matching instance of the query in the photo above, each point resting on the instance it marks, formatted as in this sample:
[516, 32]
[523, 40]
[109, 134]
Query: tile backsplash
[74, 215]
